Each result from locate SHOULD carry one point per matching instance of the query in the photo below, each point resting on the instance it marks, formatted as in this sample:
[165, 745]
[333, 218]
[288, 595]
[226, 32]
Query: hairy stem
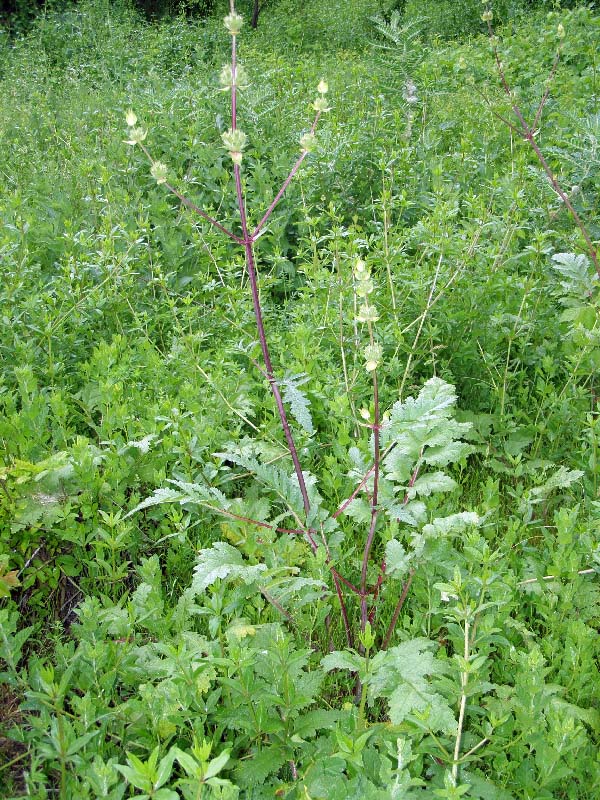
[374, 498]
[464, 679]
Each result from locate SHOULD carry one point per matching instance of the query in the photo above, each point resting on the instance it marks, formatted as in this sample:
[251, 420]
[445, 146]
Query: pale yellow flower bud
[320, 105]
[322, 88]
[159, 172]
[367, 313]
[233, 22]
[136, 135]
[308, 142]
[130, 118]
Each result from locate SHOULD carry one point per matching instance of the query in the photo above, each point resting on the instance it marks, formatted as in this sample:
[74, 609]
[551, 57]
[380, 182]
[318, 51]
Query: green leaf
[298, 402]
[188, 762]
[223, 561]
[342, 659]
[575, 270]
[430, 484]
[401, 675]
[255, 770]
[358, 510]
[306, 725]
[165, 768]
[396, 558]
[160, 496]
[454, 523]
[165, 794]
[216, 765]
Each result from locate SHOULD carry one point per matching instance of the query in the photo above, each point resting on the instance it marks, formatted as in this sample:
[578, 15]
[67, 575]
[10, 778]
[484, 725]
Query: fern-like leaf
[298, 402]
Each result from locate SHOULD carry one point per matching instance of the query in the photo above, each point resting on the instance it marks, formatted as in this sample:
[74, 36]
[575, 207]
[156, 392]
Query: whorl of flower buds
[364, 287]
[320, 104]
[367, 313]
[159, 172]
[228, 80]
[308, 142]
[136, 135]
[234, 142]
[233, 22]
[373, 354]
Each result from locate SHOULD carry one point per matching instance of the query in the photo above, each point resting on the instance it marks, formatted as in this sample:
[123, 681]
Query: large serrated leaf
[342, 659]
[223, 561]
[454, 523]
[402, 676]
[430, 484]
[397, 560]
[577, 276]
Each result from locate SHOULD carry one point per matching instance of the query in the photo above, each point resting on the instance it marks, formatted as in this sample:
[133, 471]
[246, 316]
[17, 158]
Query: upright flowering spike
[131, 118]
[322, 88]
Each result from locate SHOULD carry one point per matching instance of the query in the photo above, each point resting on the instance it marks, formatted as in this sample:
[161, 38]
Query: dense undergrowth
[183, 652]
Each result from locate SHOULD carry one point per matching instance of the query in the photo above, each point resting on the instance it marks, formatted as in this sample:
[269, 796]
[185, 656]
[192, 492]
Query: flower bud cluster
[320, 104]
[159, 172]
[228, 79]
[135, 135]
[233, 22]
[308, 142]
[364, 287]
[373, 354]
[234, 142]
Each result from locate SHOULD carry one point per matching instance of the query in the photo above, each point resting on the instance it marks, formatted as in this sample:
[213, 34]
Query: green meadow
[304, 504]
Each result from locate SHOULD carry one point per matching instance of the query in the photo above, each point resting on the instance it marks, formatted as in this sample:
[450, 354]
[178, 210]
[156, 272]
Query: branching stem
[528, 133]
